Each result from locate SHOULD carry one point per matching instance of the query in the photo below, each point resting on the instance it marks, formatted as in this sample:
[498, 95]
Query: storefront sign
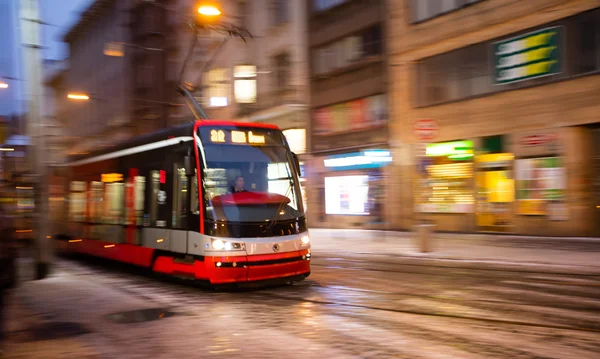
[452, 150]
[425, 130]
[358, 160]
[537, 143]
[349, 116]
[528, 56]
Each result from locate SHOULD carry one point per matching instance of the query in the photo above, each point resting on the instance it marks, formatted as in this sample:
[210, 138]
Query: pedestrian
[8, 269]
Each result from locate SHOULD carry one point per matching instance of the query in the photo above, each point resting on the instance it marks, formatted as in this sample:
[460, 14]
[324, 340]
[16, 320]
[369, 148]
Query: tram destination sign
[524, 57]
[241, 136]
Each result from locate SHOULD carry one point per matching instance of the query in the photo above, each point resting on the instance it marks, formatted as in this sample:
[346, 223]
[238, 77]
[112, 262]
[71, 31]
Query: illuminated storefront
[444, 183]
[495, 188]
[354, 184]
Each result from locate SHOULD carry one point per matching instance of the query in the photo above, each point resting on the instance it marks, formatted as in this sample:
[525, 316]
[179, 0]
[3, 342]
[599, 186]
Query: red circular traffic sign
[425, 129]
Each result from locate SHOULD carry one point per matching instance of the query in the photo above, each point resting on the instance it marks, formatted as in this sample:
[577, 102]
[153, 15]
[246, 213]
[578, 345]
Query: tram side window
[154, 189]
[195, 206]
[180, 189]
[139, 191]
[77, 201]
[96, 202]
[114, 205]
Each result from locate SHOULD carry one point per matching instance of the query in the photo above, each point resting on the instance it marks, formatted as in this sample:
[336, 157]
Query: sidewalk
[33, 334]
[581, 255]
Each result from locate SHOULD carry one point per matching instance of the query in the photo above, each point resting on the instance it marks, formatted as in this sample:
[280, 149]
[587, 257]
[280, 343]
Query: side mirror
[296, 162]
[189, 169]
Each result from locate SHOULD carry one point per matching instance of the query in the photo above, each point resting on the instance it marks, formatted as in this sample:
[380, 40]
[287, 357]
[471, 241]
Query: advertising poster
[357, 113]
[322, 120]
[541, 182]
[347, 195]
[353, 115]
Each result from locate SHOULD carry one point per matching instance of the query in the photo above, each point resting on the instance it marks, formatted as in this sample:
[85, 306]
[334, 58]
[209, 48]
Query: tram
[213, 201]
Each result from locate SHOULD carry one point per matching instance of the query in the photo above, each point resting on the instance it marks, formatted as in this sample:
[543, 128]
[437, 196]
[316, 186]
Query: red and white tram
[209, 200]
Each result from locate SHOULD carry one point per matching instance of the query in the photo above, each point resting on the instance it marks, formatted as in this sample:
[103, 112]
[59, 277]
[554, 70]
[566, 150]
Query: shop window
[540, 182]
[444, 184]
[347, 195]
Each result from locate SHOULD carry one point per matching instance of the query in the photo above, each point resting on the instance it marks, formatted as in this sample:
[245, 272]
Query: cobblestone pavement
[350, 307]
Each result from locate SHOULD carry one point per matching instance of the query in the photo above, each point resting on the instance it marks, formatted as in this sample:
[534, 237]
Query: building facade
[349, 113]
[263, 79]
[105, 117]
[495, 107]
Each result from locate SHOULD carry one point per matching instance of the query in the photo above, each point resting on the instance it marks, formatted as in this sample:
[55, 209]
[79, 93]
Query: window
[180, 189]
[77, 201]
[244, 85]
[282, 70]
[296, 139]
[587, 38]
[475, 70]
[322, 5]
[217, 82]
[349, 50]
[426, 9]
[280, 11]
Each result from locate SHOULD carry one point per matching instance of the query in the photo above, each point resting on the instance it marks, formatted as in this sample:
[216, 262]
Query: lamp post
[31, 45]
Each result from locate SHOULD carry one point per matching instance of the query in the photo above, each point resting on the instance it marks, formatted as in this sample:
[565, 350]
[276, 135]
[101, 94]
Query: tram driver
[238, 185]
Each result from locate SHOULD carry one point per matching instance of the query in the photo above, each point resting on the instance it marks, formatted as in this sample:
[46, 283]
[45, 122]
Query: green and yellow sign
[528, 56]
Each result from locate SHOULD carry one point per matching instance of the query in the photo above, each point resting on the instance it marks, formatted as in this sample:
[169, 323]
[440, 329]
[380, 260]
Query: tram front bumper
[257, 267]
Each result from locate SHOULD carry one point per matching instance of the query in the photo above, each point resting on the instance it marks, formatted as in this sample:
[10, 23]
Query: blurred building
[262, 80]
[106, 116]
[349, 112]
[503, 97]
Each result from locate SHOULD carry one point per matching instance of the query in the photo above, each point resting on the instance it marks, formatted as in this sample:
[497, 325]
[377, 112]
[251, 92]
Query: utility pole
[31, 49]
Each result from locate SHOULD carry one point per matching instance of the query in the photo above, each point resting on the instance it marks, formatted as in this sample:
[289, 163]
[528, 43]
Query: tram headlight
[219, 245]
[305, 240]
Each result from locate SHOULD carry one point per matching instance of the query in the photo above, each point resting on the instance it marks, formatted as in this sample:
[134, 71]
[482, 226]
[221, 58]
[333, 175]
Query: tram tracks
[153, 289]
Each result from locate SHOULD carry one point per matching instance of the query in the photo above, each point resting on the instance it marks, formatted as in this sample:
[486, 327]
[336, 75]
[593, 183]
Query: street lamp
[209, 10]
[78, 96]
[3, 85]
[209, 13]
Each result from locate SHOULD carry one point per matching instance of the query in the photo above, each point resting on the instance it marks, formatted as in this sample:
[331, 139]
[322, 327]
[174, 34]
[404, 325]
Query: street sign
[425, 130]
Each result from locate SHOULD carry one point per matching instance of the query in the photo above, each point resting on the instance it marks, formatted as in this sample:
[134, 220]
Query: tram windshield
[248, 176]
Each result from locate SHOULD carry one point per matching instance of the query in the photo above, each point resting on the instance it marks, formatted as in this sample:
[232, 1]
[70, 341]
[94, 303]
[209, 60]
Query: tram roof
[181, 130]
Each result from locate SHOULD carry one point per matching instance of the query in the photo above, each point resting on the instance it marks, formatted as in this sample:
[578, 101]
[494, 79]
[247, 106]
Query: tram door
[184, 204]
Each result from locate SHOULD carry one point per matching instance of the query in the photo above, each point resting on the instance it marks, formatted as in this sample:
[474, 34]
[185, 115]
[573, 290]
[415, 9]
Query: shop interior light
[460, 156]
[449, 148]
[369, 157]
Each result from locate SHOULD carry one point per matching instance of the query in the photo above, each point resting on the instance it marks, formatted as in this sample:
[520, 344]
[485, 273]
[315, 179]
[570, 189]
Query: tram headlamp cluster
[305, 240]
[220, 245]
